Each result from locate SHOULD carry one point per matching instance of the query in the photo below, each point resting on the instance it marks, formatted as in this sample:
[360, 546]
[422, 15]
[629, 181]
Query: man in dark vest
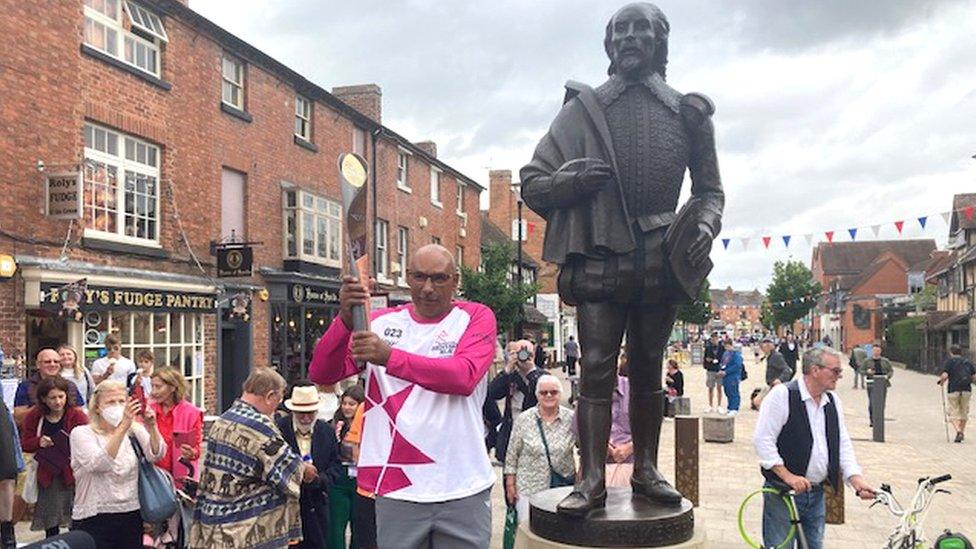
[802, 443]
[607, 178]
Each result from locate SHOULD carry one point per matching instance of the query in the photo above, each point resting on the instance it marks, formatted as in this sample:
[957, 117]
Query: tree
[698, 312]
[491, 286]
[792, 292]
[766, 316]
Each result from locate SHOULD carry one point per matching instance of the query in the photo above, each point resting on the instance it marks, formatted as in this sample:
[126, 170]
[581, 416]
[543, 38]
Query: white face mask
[113, 414]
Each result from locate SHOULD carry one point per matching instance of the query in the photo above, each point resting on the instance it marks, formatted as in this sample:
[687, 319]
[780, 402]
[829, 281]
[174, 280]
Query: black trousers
[113, 530]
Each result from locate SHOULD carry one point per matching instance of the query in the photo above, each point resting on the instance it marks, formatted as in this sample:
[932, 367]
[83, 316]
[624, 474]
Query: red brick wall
[503, 208]
[49, 89]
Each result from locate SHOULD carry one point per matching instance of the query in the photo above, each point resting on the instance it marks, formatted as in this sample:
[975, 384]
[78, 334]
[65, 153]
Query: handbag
[157, 498]
[511, 527]
[30, 492]
[555, 479]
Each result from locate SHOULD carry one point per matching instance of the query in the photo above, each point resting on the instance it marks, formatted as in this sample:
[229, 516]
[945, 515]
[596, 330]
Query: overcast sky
[830, 114]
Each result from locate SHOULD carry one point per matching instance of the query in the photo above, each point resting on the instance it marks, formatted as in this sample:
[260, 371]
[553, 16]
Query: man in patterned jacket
[606, 177]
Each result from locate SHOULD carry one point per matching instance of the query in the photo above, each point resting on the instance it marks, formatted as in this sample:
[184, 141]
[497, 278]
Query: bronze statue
[606, 177]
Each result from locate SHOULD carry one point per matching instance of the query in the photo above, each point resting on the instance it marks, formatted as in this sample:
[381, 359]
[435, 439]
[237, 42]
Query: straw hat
[303, 399]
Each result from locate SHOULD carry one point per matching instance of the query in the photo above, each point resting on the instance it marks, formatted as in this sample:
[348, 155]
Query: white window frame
[402, 173]
[161, 343]
[303, 118]
[459, 208]
[381, 245]
[403, 251]
[322, 210]
[123, 166]
[228, 82]
[150, 37]
[435, 187]
[459, 256]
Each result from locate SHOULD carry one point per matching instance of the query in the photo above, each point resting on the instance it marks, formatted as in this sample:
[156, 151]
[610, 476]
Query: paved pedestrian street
[915, 446]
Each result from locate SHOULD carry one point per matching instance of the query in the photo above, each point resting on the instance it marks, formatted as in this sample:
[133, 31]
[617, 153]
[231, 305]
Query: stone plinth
[525, 539]
[718, 428]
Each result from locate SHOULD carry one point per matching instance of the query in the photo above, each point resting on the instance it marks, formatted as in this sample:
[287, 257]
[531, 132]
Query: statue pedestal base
[626, 521]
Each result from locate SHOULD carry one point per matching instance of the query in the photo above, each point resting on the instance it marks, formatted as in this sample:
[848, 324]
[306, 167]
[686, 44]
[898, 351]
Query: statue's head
[637, 40]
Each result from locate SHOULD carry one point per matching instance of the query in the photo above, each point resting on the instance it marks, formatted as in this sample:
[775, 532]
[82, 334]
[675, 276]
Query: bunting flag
[853, 233]
[830, 236]
[766, 240]
[968, 211]
[808, 238]
[745, 243]
[898, 225]
[876, 229]
[946, 216]
[922, 220]
[786, 240]
[725, 243]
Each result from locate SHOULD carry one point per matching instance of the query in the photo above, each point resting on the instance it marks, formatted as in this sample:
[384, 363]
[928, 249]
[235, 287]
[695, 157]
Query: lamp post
[518, 261]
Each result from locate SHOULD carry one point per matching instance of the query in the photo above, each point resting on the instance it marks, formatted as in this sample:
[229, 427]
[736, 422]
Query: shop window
[121, 186]
[140, 44]
[174, 339]
[313, 228]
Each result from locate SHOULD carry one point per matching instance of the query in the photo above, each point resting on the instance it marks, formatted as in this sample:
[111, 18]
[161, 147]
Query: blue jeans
[776, 518]
[731, 386]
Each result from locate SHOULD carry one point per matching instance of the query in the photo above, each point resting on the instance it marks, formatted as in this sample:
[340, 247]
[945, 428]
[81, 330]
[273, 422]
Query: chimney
[365, 98]
[502, 205]
[428, 147]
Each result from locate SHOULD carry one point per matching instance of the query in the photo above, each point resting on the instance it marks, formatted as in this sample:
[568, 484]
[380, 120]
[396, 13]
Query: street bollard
[686, 457]
[878, 394]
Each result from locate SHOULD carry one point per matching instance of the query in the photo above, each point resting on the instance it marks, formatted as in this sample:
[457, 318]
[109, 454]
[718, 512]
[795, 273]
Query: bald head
[49, 363]
[433, 255]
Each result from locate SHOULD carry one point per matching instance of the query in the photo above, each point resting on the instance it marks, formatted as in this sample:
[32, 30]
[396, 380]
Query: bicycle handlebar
[942, 478]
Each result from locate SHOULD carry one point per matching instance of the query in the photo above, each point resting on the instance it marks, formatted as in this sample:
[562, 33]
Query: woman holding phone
[180, 424]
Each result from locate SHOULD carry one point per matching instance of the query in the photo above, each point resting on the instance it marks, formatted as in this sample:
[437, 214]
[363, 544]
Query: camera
[523, 354]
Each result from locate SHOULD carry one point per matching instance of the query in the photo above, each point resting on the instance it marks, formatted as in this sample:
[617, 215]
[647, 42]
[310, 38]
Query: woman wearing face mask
[315, 441]
[180, 424]
[46, 430]
[76, 372]
[343, 492]
[106, 468]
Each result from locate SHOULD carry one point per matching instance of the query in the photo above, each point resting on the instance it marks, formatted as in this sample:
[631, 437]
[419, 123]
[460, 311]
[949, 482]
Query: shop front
[302, 307]
[172, 316]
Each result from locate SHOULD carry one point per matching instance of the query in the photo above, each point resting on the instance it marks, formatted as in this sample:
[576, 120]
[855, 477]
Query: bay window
[313, 228]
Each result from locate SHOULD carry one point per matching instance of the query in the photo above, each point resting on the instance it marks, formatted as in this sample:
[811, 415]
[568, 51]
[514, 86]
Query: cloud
[830, 113]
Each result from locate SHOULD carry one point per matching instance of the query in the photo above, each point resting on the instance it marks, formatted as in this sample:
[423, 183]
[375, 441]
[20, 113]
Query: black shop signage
[100, 298]
[235, 261]
[304, 293]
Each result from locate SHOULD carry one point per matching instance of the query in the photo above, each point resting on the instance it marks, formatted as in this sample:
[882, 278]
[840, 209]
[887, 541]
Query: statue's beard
[631, 65]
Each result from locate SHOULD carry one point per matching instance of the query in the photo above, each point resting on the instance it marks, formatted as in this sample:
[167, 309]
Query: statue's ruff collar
[611, 90]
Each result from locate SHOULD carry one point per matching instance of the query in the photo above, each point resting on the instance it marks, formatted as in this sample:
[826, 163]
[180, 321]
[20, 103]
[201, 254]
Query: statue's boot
[593, 418]
[646, 415]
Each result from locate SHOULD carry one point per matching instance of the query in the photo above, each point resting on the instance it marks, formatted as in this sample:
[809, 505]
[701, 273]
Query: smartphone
[136, 390]
[523, 354]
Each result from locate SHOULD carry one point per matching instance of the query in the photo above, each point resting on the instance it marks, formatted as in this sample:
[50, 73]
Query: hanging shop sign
[96, 298]
[304, 293]
[235, 261]
[63, 195]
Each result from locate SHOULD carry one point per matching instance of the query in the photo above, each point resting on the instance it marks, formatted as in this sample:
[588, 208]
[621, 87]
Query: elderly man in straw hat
[313, 439]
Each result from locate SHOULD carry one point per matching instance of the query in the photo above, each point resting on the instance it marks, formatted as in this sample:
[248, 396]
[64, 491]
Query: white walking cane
[945, 413]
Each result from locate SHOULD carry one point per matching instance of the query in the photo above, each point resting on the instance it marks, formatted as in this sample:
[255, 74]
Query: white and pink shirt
[423, 433]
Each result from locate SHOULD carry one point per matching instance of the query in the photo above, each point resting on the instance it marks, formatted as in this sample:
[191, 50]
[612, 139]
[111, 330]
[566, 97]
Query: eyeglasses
[549, 393]
[417, 278]
[836, 371]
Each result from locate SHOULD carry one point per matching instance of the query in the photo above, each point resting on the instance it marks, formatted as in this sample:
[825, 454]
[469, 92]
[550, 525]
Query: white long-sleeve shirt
[774, 412]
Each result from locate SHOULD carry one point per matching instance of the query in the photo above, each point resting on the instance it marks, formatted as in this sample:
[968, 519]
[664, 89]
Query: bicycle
[908, 534]
[796, 528]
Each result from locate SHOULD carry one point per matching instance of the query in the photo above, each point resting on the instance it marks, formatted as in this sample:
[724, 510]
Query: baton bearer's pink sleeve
[460, 373]
[331, 360]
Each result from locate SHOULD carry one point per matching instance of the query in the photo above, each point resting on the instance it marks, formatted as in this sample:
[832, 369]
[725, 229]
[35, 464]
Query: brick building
[736, 311]
[187, 136]
[859, 279]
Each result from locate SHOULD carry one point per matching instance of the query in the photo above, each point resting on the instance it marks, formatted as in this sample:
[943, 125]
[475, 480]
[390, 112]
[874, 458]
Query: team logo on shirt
[442, 345]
